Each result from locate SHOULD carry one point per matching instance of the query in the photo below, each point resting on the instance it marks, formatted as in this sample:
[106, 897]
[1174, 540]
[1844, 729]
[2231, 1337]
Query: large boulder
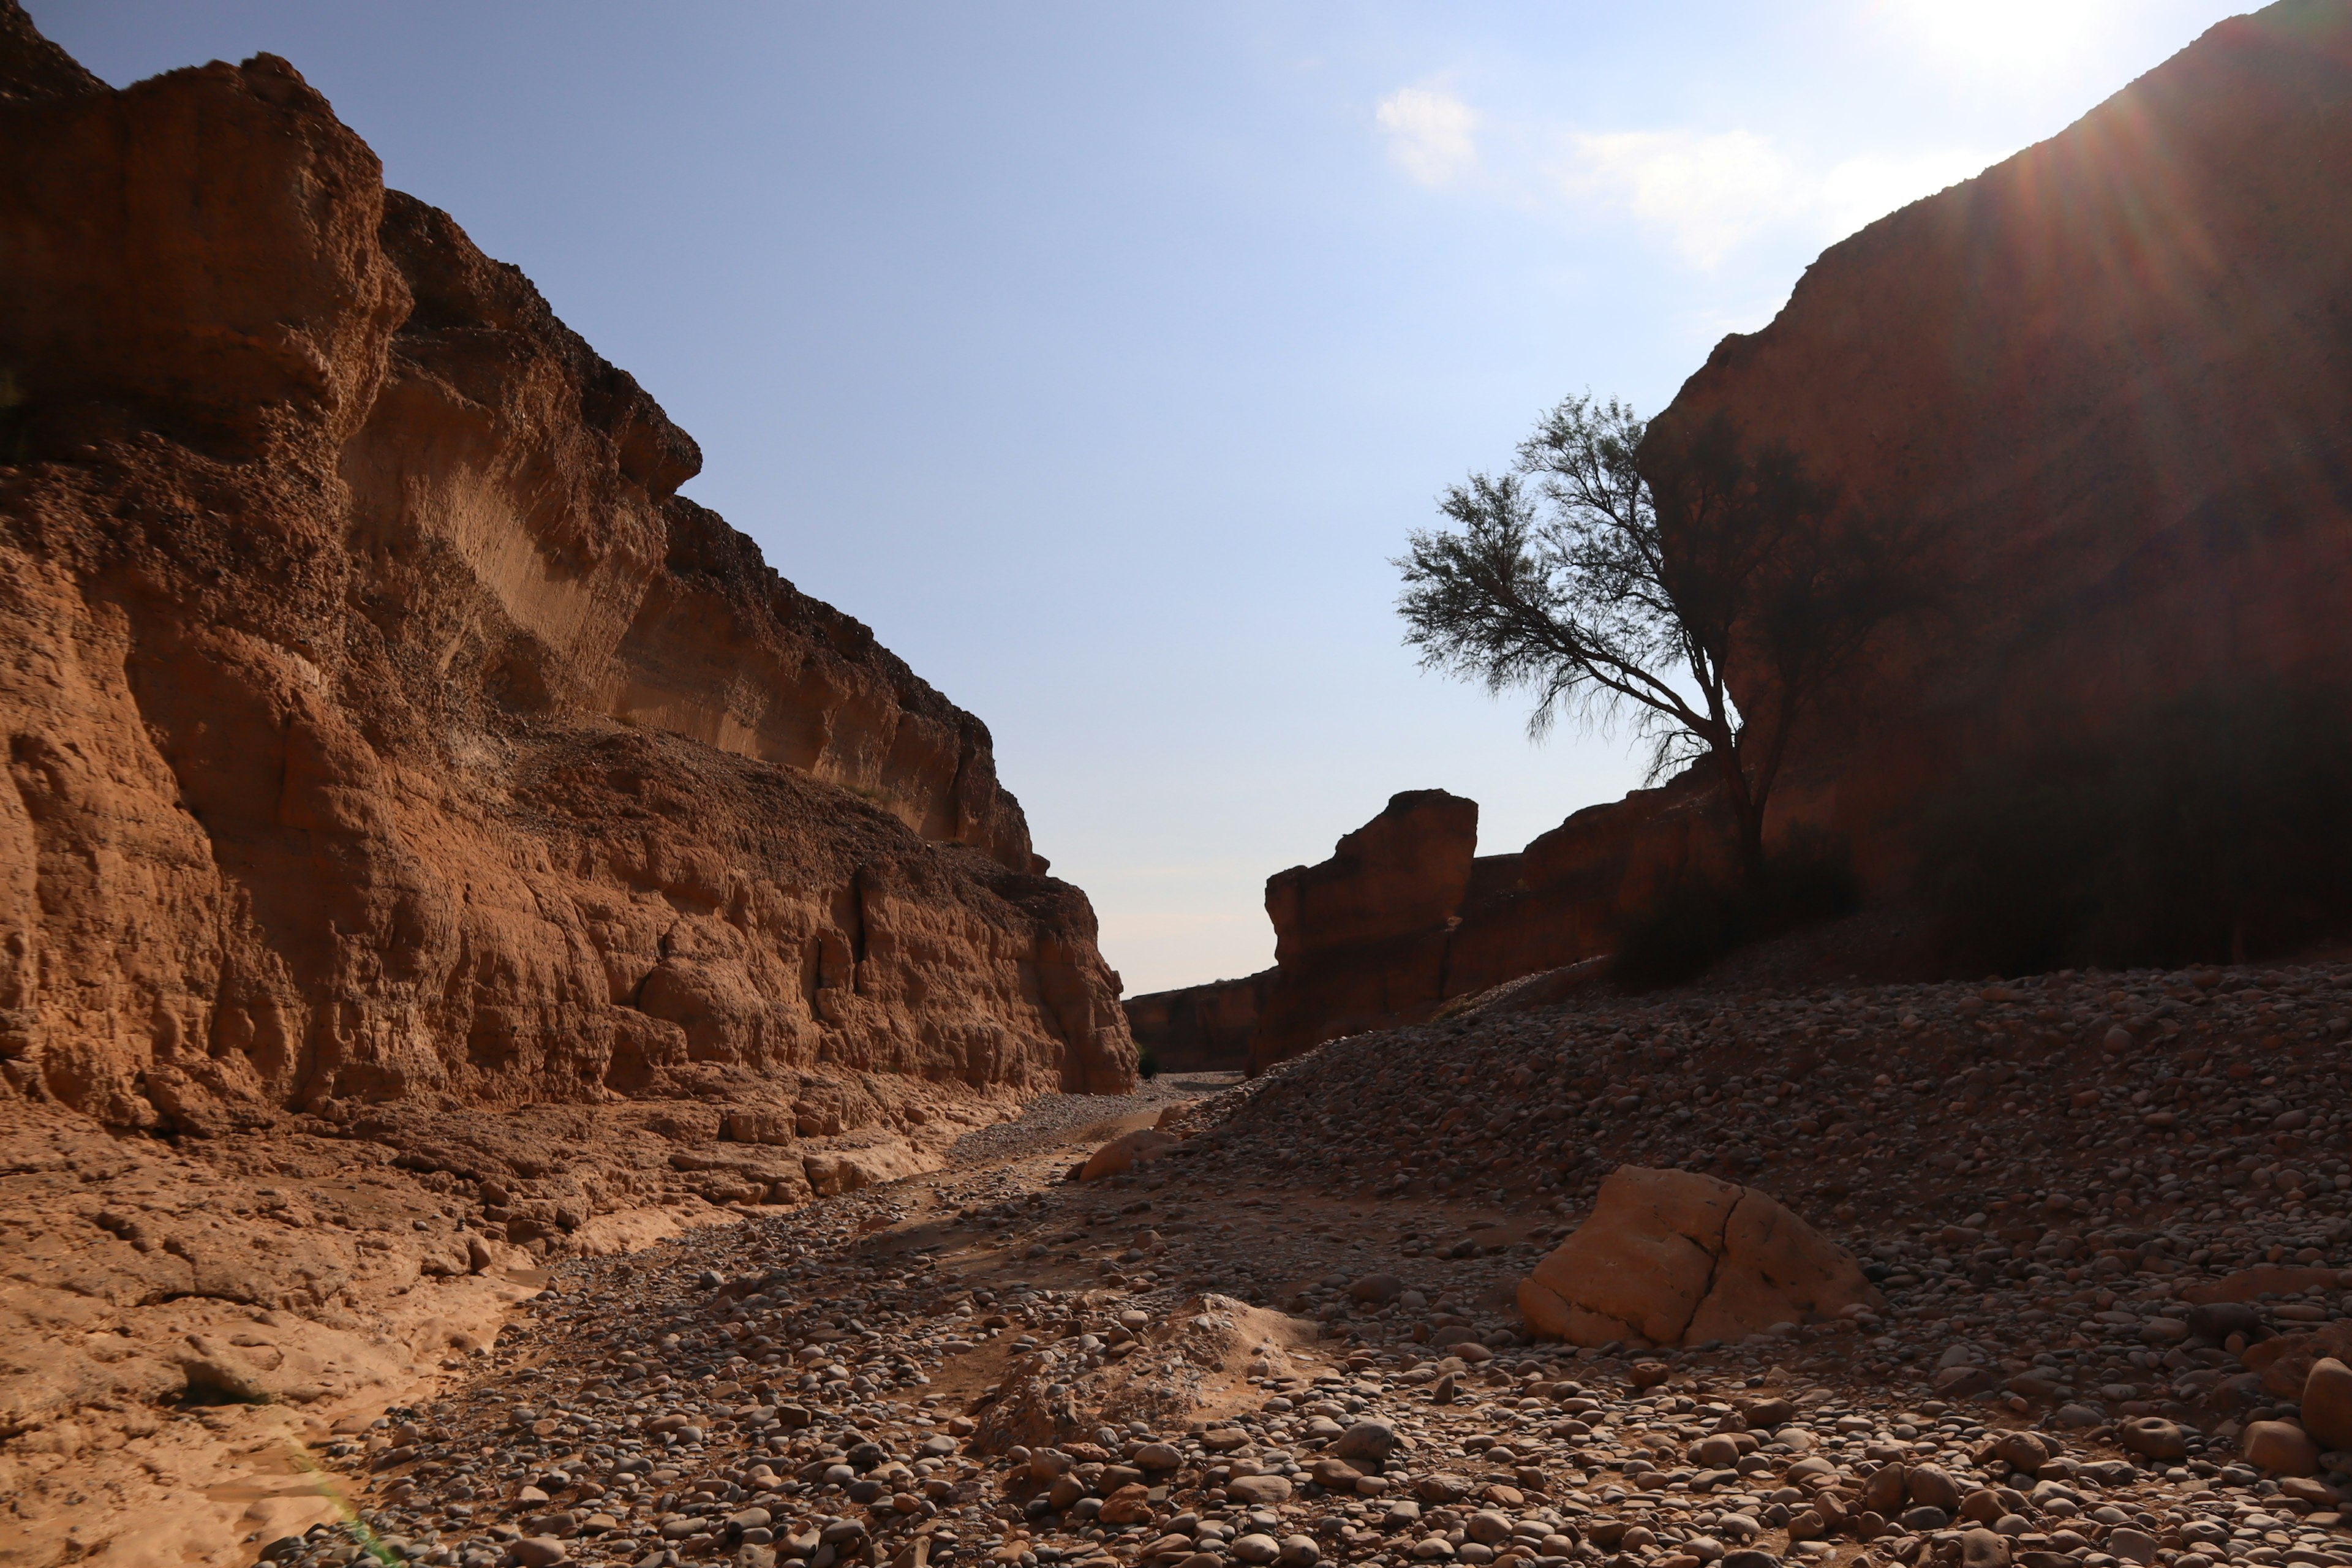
[2281, 1447]
[2328, 1405]
[1675, 1258]
[2286, 1361]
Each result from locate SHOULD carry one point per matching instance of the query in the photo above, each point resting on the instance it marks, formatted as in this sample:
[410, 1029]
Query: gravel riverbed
[2091, 1202]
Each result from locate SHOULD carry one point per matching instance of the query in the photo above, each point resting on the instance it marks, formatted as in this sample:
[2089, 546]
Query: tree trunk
[1747, 817]
[1752, 845]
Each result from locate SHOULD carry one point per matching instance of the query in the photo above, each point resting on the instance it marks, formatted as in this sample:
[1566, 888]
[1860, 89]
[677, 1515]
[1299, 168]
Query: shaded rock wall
[2112, 376]
[1406, 915]
[380, 721]
[1200, 1028]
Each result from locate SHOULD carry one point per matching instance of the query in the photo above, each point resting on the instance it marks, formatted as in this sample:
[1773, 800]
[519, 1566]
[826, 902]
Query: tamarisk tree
[1574, 576]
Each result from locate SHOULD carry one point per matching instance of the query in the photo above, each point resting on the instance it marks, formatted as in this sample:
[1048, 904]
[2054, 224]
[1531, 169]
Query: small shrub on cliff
[1696, 921]
[2214, 829]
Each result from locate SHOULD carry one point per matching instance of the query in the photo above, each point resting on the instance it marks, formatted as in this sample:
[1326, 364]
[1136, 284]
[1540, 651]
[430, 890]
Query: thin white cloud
[1433, 135]
[1707, 195]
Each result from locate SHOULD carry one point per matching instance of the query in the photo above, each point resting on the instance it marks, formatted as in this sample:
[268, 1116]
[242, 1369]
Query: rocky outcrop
[1676, 1257]
[2111, 379]
[382, 724]
[1406, 915]
[1360, 940]
[1200, 1028]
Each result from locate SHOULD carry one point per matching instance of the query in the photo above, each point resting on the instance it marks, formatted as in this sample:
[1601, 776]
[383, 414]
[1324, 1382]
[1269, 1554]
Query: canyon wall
[1406, 915]
[382, 725]
[2109, 383]
[1200, 1028]
[2111, 380]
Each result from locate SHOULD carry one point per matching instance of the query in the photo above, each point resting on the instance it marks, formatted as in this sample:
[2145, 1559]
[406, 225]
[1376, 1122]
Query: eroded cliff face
[2112, 379]
[380, 723]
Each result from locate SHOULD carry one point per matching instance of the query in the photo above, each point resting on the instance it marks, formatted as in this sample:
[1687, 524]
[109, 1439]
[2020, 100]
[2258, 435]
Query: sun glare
[2001, 37]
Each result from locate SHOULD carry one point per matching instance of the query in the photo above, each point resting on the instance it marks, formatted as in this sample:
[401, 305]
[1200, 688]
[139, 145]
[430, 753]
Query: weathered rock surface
[1360, 938]
[1677, 1257]
[381, 722]
[2112, 378]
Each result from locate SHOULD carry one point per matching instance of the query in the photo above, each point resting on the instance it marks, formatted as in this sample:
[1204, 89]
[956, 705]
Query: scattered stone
[1366, 1441]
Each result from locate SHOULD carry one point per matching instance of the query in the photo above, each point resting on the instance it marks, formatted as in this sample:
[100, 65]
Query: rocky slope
[1294, 1337]
[2111, 378]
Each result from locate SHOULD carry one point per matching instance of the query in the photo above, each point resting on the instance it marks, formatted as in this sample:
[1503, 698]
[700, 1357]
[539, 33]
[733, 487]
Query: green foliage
[2214, 829]
[1699, 921]
[1146, 1062]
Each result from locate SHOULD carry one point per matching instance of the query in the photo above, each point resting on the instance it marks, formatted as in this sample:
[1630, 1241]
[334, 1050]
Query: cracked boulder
[1675, 1258]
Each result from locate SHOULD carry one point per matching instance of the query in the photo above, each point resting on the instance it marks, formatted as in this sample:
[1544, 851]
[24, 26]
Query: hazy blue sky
[1100, 355]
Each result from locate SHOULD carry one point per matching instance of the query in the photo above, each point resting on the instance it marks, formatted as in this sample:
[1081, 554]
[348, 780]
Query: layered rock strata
[2110, 379]
[383, 726]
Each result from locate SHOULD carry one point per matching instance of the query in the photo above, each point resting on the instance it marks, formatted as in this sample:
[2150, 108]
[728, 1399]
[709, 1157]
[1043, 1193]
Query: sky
[1102, 356]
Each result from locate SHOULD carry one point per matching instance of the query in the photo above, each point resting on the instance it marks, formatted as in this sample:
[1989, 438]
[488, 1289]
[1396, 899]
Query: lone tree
[1571, 576]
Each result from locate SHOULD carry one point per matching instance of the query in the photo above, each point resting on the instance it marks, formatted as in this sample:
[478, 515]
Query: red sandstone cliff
[380, 722]
[2112, 376]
